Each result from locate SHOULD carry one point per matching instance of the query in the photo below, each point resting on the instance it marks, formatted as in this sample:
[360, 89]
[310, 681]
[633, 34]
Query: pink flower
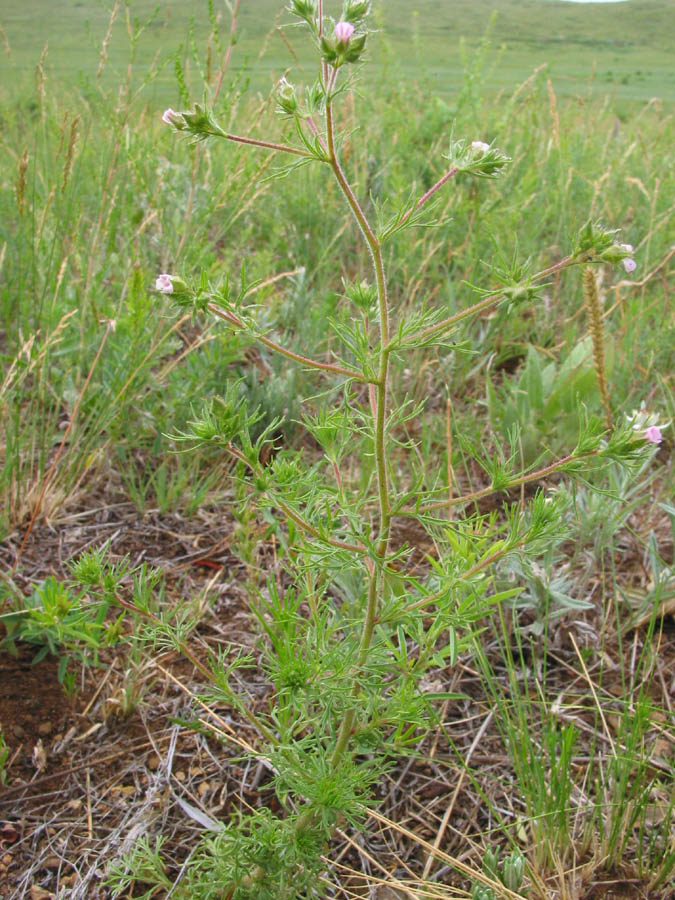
[169, 116]
[653, 434]
[480, 146]
[627, 247]
[629, 264]
[164, 284]
[343, 32]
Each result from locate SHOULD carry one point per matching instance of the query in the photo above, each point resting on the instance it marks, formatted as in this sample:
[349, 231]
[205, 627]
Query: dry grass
[119, 762]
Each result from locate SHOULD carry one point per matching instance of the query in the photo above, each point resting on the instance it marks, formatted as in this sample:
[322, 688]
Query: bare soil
[89, 774]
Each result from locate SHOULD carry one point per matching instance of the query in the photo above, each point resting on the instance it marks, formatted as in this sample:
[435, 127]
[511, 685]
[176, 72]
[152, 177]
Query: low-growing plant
[351, 626]
[541, 406]
[4, 756]
[76, 617]
[591, 807]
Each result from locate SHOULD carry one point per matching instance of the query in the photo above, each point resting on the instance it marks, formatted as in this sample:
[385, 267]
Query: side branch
[492, 489]
[196, 662]
[432, 190]
[488, 301]
[297, 357]
[268, 145]
[297, 518]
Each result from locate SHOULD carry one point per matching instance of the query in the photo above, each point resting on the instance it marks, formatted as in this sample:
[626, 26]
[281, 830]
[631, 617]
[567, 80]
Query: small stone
[39, 756]
[18, 732]
[153, 762]
[52, 862]
[45, 728]
[7, 859]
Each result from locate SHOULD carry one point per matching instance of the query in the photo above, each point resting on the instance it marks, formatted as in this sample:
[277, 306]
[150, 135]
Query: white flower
[629, 264]
[164, 284]
[481, 146]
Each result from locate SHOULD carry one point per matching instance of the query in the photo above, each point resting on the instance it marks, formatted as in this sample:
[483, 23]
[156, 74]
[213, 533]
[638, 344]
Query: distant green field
[620, 48]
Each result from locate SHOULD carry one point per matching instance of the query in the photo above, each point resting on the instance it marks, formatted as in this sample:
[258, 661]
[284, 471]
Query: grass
[96, 199]
[620, 48]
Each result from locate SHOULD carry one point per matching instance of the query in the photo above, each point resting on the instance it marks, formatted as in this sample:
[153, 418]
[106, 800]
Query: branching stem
[513, 482]
[284, 351]
[485, 303]
[297, 518]
[430, 193]
[268, 145]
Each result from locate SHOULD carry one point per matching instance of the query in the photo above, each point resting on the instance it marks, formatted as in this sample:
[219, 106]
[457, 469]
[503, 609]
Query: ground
[87, 777]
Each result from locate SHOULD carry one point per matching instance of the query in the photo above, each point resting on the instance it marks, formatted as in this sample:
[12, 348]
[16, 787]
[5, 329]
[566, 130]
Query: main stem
[376, 575]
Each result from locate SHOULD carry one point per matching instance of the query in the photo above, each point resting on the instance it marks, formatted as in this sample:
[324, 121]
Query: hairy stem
[268, 145]
[511, 483]
[430, 193]
[486, 302]
[376, 577]
[284, 351]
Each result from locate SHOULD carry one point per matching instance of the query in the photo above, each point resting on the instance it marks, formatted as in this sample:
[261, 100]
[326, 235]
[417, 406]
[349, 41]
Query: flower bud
[355, 10]
[287, 102]
[362, 294]
[480, 147]
[513, 871]
[200, 122]
[344, 46]
[304, 9]
[343, 32]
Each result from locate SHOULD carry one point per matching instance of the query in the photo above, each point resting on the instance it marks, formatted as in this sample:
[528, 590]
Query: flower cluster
[477, 158]
[199, 122]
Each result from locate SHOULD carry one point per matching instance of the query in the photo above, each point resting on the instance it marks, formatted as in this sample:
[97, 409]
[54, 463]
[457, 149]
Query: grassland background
[97, 197]
[623, 48]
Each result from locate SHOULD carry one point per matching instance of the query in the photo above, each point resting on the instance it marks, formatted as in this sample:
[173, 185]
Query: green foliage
[542, 409]
[350, 629]
[60, 621]
[509, 872]
[605, 806]
[4, 756]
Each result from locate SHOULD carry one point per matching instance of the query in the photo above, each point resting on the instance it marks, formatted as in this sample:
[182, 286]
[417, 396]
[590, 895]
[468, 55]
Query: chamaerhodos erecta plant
[349, 640]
